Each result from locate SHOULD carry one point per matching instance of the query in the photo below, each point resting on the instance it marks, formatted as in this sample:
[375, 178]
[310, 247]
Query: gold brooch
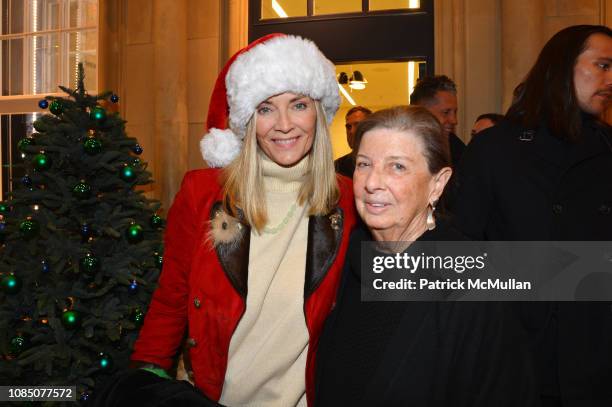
[335, 220]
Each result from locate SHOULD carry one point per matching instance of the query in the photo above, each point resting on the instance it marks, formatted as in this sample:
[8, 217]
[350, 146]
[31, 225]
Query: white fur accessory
[220, 147]
[282, 63]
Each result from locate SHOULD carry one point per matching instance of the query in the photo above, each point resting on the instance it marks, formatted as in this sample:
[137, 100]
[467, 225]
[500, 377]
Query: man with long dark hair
[547, 175]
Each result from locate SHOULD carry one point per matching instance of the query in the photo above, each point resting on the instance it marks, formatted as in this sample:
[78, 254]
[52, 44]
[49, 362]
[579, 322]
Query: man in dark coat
[438, 94]
[345, 165]
[547, 175]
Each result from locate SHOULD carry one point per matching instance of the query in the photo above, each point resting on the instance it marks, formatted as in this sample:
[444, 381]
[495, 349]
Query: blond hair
[243, 178]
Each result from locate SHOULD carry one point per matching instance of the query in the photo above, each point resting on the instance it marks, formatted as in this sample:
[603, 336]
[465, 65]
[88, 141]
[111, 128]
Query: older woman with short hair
[413, 353]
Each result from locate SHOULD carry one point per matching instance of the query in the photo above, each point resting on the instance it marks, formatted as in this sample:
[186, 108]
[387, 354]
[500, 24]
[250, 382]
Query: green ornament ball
[89, 264]
[82, 190]
[11, 284]
[17, 345]
[24, 143]
[156, 221]
[127, 173]
[41, 162]
[92, 146]
[137, 317]
[29, 228]
[71, 319]
[105, 362]
[134, 233]
[97, 113]
[56, 107]
[4, 208]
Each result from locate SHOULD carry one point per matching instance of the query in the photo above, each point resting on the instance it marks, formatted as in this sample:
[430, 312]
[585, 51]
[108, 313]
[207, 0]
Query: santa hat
[269, 66]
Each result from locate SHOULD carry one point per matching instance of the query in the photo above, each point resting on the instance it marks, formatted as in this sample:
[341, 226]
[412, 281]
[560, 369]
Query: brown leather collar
[324, 237]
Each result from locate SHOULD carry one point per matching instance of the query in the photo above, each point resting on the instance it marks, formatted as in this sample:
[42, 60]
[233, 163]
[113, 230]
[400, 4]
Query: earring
[431, 222]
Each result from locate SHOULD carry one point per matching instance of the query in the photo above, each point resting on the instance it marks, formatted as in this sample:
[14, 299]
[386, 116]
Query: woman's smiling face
[392, 184]
[286, 127]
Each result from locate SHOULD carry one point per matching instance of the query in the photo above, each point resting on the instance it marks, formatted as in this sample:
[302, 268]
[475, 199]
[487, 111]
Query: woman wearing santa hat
[253, 251]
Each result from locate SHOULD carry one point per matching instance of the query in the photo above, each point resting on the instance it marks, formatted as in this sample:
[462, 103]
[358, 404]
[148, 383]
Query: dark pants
[139, 387]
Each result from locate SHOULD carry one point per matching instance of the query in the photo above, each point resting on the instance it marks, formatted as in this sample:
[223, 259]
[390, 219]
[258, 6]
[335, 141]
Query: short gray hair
[426, 88]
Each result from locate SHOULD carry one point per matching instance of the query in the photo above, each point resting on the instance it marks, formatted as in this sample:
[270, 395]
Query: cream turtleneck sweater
[267, 353]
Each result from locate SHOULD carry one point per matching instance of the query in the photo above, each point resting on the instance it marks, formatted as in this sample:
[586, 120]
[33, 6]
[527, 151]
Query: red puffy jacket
[203, 288]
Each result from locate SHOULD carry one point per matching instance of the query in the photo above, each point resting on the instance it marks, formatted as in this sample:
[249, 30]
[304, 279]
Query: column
[523, 34]
[169, 96]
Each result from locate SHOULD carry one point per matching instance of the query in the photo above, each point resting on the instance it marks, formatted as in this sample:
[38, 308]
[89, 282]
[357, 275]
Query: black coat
[522, 184]
[426, 354]
[456, 149]
[345, 165]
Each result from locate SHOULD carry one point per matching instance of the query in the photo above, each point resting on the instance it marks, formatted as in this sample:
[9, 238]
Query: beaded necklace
[283, 223]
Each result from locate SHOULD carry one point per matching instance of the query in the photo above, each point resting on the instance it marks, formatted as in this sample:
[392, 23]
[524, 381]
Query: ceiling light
[278, 9]
[357, 81]
[346, 95]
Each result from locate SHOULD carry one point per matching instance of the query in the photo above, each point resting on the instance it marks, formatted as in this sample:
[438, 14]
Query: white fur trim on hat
[220, 147]
[279, 65]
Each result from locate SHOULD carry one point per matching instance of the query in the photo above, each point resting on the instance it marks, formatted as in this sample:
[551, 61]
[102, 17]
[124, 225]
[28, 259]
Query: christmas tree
[80, 247]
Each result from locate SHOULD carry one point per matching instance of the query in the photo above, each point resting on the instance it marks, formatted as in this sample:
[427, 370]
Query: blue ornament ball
[45, 266]
[84, 396]
[133, 287]
[137, 149]
[114, 98]
[43, 103]
[26, 181]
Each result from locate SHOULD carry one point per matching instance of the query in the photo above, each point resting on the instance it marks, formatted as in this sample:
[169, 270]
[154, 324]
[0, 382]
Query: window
[271, 9]
[393, 4]
[283, 9]
[322, 7]
[41, 44]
